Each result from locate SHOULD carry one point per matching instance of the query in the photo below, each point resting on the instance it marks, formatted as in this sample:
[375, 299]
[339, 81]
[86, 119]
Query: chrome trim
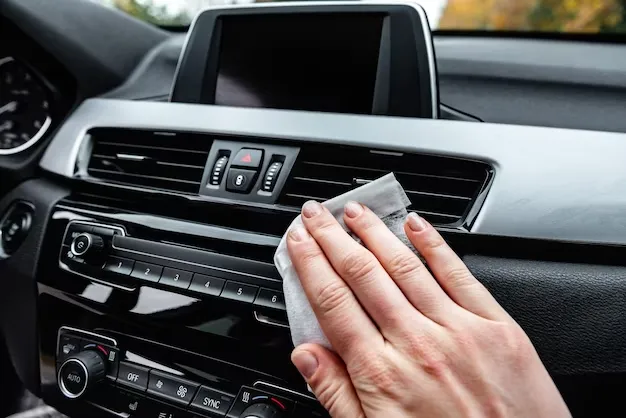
[35, 138]
[113, 341]
[269, 321]
[420, 11]
[64, 390]
[73, 246]
[241, 273]
[276, 387]
[67, 268]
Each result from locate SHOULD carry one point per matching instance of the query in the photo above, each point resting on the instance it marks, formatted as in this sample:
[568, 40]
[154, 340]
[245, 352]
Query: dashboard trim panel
[544, 177]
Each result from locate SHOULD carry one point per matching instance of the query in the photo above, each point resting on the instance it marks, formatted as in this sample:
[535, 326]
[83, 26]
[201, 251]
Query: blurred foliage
[148, 11]
[535, 15]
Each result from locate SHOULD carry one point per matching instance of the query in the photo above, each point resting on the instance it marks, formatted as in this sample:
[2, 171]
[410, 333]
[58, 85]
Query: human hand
[409, 343]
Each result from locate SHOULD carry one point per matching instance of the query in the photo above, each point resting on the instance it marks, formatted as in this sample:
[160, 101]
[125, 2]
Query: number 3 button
[239, 291]
[176, 278]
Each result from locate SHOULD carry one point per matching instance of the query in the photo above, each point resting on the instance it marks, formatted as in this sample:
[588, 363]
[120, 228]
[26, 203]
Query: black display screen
[310, 61]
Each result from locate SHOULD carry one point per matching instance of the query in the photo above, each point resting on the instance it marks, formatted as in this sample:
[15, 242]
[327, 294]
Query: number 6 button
[270, 299]
[176, 278]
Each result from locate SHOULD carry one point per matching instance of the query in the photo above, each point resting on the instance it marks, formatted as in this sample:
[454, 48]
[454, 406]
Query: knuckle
[333, 297]
[375, 376]
[330, 393]
[403, 265]
[459, 277]
[434, 241]
[357, 264]
[516, 343]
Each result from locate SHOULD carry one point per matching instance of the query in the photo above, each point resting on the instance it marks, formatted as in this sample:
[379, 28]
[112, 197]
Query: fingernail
[415, 223]
[311, 209]
[298, 233]
[305, 362]
[353, 209]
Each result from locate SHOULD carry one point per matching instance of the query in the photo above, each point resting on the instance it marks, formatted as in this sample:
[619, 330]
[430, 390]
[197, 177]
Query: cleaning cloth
[387, 199]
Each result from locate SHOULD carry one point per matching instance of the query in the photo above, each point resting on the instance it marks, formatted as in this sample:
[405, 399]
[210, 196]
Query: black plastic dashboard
[542, 224]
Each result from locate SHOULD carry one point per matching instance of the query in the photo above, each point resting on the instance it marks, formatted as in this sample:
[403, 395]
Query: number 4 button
[270, 299]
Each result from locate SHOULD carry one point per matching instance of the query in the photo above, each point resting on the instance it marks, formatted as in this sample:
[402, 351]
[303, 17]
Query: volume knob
[86, 244]
[79, 372]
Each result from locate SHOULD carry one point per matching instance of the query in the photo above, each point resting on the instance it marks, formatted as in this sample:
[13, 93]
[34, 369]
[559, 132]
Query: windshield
[569, 16]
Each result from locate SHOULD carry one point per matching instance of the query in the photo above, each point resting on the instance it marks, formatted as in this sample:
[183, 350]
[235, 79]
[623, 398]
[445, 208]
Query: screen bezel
[406, 81]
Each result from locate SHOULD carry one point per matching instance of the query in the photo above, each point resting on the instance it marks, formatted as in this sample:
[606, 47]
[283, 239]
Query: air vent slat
[441, 189]
[173, 162]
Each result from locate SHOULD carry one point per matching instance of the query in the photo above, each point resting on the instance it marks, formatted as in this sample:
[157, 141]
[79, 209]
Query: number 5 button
[239, 291]
[270, 299]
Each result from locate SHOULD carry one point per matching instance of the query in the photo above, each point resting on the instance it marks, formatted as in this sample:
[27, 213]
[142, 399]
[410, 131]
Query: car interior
[147, 174]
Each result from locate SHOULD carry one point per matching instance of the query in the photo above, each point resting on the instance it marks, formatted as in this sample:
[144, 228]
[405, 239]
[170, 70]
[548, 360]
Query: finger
[343, 320]
[371, 284]
[404, 267]
[450, 271]
[328, 378]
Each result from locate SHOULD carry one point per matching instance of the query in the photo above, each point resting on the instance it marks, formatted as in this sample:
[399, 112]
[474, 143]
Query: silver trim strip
[276, 387]
[113, 341]
[40, 133]
[418, 8]
[269, 321]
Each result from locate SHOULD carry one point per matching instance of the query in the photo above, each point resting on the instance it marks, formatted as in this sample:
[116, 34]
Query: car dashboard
[138, 232]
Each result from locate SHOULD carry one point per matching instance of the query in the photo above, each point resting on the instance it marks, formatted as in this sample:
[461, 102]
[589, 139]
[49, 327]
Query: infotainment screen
[357, 57]
[303, 62]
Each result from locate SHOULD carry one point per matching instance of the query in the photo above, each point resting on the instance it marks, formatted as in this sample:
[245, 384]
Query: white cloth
[387, 199]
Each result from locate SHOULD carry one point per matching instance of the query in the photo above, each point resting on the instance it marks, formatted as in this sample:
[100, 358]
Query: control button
[172, 388]
[176, 278]
[211, 400]
[240, 181]
[239, 291]
[262, 410]
[132, 404]
[86, 243]
[15, 227]
[79, 372]
[68, 345]
[105, 232]
[249, 396]
[132, 376]
[119, 265]
[218, 171]
[270, 299]
[249, 158]
[159, 410]
[271, 176]
[75, 230]
[146, 271]
[207, 284]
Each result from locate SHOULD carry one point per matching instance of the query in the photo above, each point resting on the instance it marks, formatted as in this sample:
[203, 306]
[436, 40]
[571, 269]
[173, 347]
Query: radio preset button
[270, 299]
[176, 278]
[207, 284]
[213, 401]
[119, 265]
[239, 291]
[172, 388]
[133, 376]
[146, 271]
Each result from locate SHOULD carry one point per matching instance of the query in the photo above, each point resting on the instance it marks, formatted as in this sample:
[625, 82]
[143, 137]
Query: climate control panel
[93, 367]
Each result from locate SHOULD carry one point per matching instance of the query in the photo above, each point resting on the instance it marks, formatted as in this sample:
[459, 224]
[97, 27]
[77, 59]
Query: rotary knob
[79, 372]
[86, 244]
[262, 410]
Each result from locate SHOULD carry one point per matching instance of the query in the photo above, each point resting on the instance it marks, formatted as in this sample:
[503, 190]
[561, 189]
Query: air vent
[165, 161]
[441, 189]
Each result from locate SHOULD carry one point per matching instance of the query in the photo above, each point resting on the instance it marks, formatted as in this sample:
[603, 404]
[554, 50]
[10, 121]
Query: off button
[133, 376]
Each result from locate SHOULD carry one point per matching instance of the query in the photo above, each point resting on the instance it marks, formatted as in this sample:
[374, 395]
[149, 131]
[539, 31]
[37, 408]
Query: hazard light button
[248, 158]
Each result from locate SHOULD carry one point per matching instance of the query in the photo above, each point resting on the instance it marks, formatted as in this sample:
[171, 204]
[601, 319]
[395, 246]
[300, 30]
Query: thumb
[328, 378]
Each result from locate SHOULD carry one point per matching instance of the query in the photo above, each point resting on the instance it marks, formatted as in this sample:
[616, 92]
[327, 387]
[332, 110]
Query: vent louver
[166, 161]
[441, 189]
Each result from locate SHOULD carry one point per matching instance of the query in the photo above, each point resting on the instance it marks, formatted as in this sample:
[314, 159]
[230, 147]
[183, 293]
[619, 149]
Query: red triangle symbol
[246, 158]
